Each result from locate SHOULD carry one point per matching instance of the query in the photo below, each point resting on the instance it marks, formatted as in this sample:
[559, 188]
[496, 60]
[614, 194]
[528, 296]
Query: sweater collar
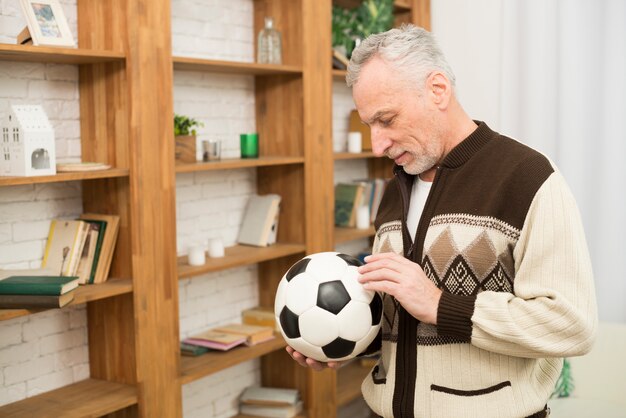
[469, 146]
[464, 150]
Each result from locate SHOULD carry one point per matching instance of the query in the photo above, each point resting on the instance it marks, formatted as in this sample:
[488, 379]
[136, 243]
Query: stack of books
[270, 402]
[225, 337]
[82, 247]
[35, 289]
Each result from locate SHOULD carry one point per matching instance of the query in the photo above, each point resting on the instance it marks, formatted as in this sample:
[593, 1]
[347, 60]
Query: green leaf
[183, 125]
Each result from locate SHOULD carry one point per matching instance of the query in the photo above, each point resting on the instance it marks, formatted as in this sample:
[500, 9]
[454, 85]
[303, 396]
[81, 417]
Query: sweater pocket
[491, 402]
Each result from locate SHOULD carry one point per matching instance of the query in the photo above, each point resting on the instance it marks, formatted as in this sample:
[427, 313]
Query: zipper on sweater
[406, 352]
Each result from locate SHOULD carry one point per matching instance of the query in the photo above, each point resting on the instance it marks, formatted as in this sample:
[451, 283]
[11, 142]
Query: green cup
[249, 145]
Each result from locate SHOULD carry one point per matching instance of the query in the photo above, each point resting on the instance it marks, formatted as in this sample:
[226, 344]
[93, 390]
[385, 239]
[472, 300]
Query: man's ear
[439, 89]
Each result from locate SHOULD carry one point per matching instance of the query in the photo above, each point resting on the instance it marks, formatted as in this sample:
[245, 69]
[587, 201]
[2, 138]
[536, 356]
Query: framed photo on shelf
[46, 23]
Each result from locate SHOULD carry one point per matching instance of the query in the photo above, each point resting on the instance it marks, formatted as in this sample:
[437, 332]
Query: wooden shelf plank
[350, 234]
[45, 54]
[194, 368]
[85, 175]
[230, 67]
[349, 379]
[88, 398]
[339, 74]
[238, 255]
[84, 294]
[353, 155]
[228, 164]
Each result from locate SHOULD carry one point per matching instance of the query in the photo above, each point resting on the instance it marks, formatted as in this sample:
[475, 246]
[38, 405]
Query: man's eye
[386, 122]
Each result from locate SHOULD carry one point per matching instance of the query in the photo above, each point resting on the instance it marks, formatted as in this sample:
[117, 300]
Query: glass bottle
[269, 48]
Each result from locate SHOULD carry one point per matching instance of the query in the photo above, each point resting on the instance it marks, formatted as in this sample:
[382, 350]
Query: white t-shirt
[419, 194]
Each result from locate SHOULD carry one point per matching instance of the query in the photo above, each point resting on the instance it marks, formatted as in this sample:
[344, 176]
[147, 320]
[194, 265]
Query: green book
[347, 197]
[101, 226]
[192, 350]
[38, 285]
[35, 301]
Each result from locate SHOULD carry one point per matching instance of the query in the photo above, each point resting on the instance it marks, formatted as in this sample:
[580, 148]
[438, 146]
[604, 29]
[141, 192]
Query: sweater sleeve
[552, 311]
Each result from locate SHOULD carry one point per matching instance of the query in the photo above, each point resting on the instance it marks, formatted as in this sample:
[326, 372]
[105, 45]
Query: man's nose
[380, 143]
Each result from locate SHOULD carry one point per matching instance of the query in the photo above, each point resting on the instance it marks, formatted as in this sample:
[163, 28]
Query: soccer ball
[323, 311]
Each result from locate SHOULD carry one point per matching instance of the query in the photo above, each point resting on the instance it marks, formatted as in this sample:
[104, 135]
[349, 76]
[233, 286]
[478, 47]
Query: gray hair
[413, 51]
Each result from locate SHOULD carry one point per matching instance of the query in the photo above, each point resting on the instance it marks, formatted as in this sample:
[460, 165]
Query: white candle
[196, 255]
[216, 248]
[363, 217]
[354, 142]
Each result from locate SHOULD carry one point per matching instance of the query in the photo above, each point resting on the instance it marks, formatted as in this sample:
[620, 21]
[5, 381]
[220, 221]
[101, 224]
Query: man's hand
[405, 280]
[309, 362]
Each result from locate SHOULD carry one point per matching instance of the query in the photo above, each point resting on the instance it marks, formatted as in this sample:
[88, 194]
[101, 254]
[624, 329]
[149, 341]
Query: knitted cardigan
[501, 235]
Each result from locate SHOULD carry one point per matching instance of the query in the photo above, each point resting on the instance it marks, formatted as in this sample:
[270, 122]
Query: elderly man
[479, 250]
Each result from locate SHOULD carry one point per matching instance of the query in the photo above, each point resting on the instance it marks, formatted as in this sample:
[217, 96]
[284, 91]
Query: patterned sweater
[500, 234]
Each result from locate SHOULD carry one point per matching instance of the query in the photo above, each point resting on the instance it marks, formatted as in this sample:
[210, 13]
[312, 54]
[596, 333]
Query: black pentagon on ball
[376, 307]
[338, 348]
[289, 323]
[332, 296]
[352, 261]
[297, 268]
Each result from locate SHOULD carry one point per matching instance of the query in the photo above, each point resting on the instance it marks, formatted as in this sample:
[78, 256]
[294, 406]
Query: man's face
[403, 123]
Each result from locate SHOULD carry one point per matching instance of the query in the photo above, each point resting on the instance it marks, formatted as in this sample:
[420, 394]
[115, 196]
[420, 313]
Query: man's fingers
[384, 286]
[315, 365]
[381, 274]
[298, 357]
[305, 361]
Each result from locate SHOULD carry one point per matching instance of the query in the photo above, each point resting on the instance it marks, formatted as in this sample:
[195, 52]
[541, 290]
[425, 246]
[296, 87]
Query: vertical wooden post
[153, 193]
[319, 165]
[124, 121]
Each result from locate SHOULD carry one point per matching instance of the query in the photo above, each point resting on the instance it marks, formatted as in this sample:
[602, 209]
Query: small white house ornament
[27, 141]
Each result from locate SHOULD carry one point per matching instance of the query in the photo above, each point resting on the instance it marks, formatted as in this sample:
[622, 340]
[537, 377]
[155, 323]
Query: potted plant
[354, 24]
[185, 136]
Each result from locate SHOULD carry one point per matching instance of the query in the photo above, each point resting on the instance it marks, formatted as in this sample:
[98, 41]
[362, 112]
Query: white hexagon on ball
[354, 320]
[318, 326]
[326, 266]
[301, 294]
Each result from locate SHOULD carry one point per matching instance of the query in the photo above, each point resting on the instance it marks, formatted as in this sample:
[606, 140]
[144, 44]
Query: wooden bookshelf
[232, 163]
[194, 368]
[353, 155]
[83, 294]
[292, 104]
[55, 178]
[233, 67]
[349, 379]
[88, 398]
[350, 234]
[238, 255]
[43, 54]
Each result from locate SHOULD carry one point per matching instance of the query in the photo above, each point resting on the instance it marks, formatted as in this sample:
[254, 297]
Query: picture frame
[46, 23]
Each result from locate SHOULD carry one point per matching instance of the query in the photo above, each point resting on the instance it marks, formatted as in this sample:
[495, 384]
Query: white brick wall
[342, 105]
[216, 395]
[48, 350]
[219, 29]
